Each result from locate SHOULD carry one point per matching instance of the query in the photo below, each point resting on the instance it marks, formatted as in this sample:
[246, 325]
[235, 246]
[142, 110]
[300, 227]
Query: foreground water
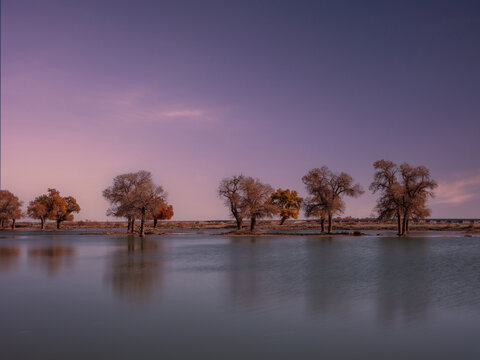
[191, 296]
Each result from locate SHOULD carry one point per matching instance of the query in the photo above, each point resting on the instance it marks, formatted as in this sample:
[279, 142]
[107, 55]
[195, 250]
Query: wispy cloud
[459, 191]
[141, 106]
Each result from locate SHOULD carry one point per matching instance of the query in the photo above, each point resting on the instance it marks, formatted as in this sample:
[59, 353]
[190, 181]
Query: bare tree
[418, 187]
[327, 190]
[134, 195]
[229, 189]
[147, 197]
[256, 200]
[121, 197]
[385, 182]
[404, 191]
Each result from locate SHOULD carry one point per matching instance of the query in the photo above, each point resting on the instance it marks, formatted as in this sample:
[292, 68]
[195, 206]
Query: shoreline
[260, 232]
[264, 225]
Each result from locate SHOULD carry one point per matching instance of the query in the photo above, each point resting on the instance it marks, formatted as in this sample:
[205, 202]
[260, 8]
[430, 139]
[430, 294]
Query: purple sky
[194, 91]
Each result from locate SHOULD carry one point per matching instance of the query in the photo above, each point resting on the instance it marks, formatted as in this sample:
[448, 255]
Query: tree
[66, 213]
[288, 203]
[313, 210]
[37, 209]
[163, 211]
[327, 190]
[121, 197]
[385, 181]
[404, 191]
[54, 207]
[134, 195]
[147, 197]
[10, 208]
[229, 189]
[255, 200]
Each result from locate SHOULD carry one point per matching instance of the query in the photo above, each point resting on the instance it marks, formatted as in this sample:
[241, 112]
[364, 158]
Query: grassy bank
[343, 226]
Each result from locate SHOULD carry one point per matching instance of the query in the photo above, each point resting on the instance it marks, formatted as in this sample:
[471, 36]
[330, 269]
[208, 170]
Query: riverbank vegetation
[403, 192]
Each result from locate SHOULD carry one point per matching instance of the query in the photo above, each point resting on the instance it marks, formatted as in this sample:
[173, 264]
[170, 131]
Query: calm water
[191, 296]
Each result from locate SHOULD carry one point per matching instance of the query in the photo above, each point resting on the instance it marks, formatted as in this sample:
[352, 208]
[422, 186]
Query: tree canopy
[10, 208]
[247, 197]
[288, 203]
[135, 195]
[162, 211]
[326, 192]
[229, 190]
[404, 191]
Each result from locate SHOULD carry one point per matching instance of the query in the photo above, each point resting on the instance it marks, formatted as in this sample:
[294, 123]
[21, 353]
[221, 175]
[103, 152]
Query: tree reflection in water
[245, 281]
[403, 279]
[329, 280]
[135, 270]
[53, 258]
[9, 258]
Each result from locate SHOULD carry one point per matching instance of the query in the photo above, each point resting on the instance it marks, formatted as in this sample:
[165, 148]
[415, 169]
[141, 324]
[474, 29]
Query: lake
[202, 296]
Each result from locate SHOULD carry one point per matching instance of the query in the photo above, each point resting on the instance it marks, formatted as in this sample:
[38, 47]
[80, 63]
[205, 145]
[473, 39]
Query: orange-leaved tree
[10, 208]
[37, 209]
[54, 207]
[71, 206]
[288, 203]
[162, 211]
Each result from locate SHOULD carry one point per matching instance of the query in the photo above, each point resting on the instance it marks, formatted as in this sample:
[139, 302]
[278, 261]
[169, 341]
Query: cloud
[185, 114]
[459, 191]
[141, 106]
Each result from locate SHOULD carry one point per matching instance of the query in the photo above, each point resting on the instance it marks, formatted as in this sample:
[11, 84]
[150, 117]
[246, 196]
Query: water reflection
[9, 258]
[403, 292]
[328, 278]
[136, 269]
[246, 283]
[53, 258]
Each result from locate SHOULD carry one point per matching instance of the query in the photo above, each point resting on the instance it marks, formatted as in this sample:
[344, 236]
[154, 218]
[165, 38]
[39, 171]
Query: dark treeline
[403, 193]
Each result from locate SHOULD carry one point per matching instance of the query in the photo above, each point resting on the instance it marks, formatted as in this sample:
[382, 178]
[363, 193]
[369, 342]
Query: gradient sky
[194, 91]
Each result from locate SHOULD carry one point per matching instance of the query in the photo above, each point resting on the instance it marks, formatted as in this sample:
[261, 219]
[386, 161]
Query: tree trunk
[406, 227]
[282, 221]
[322, 224]
[404, 224]
[142, 224]
[155, 221]
[132, 226]
[399, 224]
[58, 224]
[330, 225]
[239, 222]
[253, 221]
[13, 224]
[129, 224]
[42, 222]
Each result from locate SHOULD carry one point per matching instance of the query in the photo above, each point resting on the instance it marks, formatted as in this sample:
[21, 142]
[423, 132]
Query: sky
[195, 91]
